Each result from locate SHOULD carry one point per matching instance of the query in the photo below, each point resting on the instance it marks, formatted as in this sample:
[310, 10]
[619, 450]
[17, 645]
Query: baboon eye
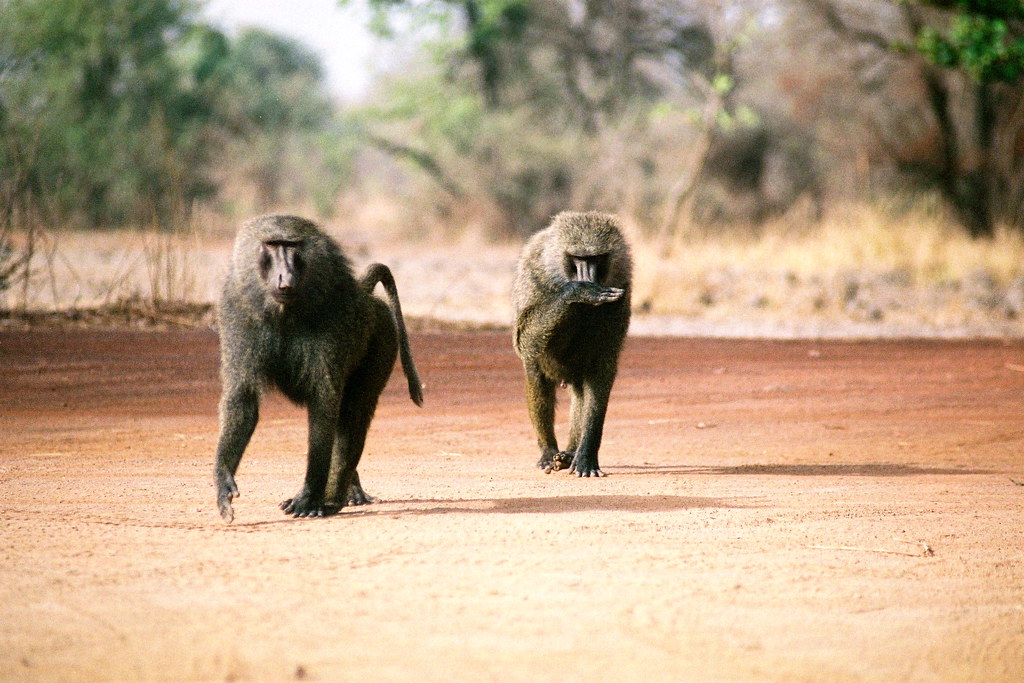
[264, 260]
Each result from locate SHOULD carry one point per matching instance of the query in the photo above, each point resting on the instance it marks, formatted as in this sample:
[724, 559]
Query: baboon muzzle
[285, 284]
[588, 268]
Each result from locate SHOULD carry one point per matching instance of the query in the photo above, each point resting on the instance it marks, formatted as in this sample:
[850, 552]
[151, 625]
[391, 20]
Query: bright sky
[337, 34]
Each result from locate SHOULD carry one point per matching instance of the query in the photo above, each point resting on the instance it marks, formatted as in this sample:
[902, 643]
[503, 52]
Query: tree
[519, 103]
[127, 112]
[490, 27]
[102, 117]
[275, 106]
[970, 56]
[986, 40]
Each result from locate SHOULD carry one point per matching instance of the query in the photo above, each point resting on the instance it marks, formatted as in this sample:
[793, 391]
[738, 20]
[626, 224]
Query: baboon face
[283, 263]
[586, 268]
[589, 247]
[281, 266]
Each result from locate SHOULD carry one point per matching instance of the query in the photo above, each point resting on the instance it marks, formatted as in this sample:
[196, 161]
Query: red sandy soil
[826, 511]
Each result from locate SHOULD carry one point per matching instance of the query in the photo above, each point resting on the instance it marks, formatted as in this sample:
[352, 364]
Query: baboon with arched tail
[291, 315]
[572, 304]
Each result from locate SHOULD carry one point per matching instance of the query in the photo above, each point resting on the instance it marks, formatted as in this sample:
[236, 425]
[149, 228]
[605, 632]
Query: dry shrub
[148, 268]
[169, 265]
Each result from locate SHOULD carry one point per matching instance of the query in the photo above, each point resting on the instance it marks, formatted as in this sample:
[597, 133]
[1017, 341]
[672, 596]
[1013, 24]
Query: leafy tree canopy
[119, 111]
[985, 38]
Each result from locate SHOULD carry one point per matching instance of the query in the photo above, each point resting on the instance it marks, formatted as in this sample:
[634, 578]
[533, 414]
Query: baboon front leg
[540, 401]
[239, 412]
[309, 501]
[594, 406]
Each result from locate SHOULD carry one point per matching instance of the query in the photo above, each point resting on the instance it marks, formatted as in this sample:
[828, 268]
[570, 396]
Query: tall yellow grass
[919, 251]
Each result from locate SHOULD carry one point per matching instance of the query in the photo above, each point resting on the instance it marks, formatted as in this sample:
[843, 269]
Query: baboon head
[285, 260]
[589, 247]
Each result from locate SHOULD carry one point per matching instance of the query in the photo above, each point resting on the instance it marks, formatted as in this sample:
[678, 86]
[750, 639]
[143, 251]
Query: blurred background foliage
[130, 112]
[708, 113]
[498, 113]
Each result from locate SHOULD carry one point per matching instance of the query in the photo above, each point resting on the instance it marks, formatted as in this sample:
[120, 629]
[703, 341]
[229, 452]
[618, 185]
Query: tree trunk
[484, 54]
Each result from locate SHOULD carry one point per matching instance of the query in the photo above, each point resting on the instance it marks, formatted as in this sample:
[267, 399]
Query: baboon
[571, 298]
[291, 315]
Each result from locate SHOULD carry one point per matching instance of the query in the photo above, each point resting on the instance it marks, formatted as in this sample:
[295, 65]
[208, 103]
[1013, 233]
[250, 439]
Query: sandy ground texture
[774, 510]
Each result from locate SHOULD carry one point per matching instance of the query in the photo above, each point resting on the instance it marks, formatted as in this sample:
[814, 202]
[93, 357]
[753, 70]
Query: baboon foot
[357, 496]
[352, 498]
[553, 462]
[354, 495]
[305, 505]
[226, 492]
[585, 467]
[562, 460]
[547, 462]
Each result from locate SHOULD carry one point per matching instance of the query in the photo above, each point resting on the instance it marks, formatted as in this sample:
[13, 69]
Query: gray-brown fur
[292, 316]
[572, 305]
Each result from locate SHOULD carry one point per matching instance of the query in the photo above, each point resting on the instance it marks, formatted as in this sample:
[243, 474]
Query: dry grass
[861, 274]
[97, 269]
[911, 276]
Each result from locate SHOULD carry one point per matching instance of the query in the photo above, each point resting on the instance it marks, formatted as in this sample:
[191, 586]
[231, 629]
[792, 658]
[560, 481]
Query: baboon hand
[594, 294]
[547, 461]
[304, 505]
[226, 492]
[585, 467]
[553, 462]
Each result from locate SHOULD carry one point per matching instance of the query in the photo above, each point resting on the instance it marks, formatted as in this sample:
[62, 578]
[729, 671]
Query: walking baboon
[292, 316]
[571, 297]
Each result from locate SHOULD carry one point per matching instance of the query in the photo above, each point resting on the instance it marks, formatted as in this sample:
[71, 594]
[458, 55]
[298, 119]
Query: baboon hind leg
[540, 401]
[358, 404]
[309, 501]
[563, 459]
[353, 495]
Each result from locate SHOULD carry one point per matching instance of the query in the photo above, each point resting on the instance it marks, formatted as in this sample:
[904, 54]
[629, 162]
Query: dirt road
[774, 511]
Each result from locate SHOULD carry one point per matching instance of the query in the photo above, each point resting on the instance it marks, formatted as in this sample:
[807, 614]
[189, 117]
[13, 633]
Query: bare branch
[422, 159]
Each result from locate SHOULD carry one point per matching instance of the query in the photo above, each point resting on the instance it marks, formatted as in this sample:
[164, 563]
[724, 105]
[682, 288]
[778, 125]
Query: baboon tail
[378, 272]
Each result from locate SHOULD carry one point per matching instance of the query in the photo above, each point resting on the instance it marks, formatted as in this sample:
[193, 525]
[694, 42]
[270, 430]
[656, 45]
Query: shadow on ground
[547, 505]
[851, 470]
